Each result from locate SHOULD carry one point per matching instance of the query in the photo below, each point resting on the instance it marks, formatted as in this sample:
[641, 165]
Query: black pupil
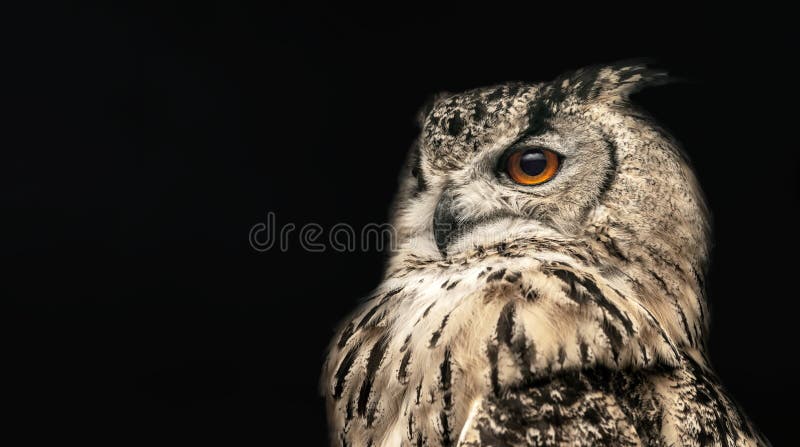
[533, 162]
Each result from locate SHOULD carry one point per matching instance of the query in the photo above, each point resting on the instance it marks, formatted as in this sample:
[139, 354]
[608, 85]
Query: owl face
[559, 159]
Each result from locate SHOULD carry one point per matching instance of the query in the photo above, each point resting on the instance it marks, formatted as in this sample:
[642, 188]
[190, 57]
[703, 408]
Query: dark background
[145, 141]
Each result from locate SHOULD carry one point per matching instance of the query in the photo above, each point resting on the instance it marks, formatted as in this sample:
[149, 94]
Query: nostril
[445, 223]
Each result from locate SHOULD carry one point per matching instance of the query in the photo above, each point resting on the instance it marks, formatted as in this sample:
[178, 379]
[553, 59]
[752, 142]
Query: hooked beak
[445, 223]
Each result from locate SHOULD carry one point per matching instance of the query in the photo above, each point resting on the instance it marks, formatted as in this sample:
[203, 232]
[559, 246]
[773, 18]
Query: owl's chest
[412, 361]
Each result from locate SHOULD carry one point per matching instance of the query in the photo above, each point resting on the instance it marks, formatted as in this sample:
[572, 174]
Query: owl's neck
[661, 277]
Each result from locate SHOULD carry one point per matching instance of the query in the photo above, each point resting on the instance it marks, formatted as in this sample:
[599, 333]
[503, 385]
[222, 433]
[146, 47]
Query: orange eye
[532, 166]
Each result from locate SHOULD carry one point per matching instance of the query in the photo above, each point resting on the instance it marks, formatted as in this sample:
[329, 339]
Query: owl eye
[532, 166]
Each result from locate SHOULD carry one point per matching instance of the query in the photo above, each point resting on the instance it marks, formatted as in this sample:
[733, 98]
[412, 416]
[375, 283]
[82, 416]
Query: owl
[547, 282]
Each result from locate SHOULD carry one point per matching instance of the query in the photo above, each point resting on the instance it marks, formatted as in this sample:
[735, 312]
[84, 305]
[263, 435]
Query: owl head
[570, 159]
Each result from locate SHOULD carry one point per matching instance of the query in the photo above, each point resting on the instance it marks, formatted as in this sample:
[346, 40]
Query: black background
[145, 141]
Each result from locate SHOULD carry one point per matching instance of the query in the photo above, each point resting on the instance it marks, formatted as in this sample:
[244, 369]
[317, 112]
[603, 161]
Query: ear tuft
[618, 81]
